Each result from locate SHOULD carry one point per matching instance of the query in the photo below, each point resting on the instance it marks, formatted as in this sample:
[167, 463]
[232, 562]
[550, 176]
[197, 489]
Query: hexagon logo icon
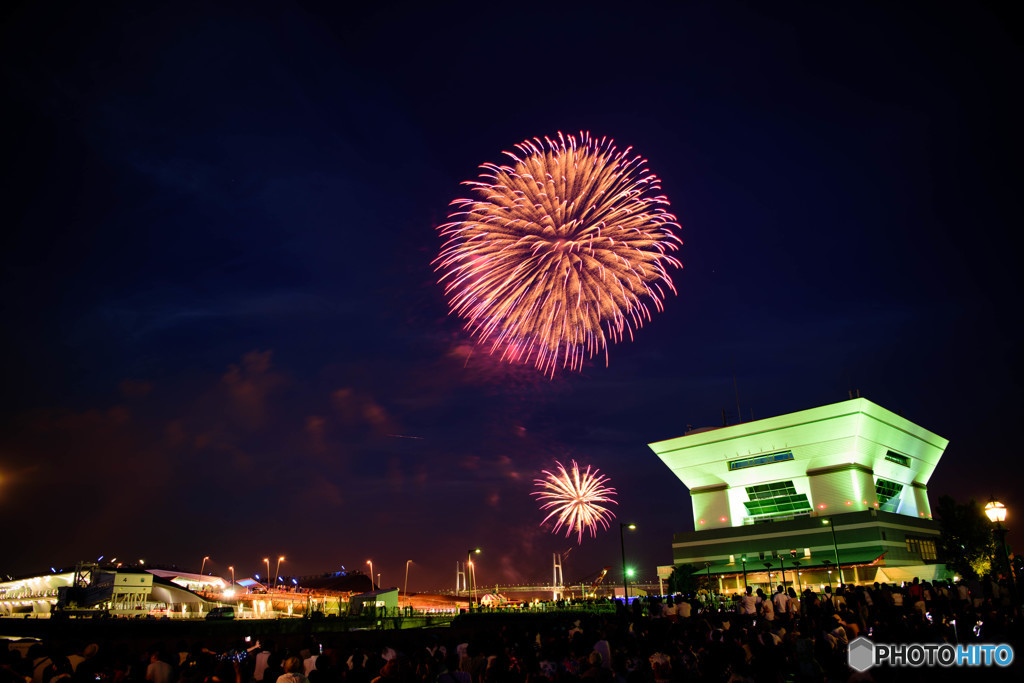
[861, 654]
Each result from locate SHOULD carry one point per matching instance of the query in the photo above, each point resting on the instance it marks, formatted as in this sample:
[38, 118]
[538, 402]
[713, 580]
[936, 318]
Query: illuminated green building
[796, 491]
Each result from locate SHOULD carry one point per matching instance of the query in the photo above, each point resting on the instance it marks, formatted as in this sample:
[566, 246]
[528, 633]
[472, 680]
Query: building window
[925, 547]
[760, 460]
[778, 500]
[897, 458]
[888, 493]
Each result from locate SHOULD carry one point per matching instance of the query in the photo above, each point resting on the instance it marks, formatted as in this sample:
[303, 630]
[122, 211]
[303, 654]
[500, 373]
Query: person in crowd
[293, 671]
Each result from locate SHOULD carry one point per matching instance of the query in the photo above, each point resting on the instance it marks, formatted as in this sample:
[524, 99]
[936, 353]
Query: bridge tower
[557, 580]
[460, 579]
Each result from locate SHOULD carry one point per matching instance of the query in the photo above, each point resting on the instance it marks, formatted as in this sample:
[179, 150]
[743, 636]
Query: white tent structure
[923, 572]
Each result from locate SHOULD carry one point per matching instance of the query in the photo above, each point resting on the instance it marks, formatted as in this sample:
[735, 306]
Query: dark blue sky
[222, 319]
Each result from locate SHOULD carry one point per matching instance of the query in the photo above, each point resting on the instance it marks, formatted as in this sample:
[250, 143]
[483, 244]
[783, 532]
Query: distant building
[773, 492]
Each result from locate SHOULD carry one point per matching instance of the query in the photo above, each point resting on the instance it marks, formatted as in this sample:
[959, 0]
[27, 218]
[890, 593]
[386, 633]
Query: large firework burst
[560, 253]
[575, 499]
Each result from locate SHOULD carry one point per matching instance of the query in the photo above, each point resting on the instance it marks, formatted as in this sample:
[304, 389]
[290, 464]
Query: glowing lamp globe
[995, 511]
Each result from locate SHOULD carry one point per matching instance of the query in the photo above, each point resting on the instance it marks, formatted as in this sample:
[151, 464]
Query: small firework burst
[575, 499]
[560, 253]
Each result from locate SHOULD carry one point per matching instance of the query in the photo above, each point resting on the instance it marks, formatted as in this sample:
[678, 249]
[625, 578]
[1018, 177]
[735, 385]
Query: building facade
[843, 484]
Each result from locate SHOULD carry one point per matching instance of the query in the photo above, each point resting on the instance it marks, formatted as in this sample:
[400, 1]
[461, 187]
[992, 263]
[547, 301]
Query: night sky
[223, 332]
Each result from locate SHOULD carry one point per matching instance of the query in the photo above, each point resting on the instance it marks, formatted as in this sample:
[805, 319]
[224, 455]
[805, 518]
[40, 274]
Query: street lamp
[827, 563]
[406, 589]
[622, 544]
[278, 570]
[203, 566]
[799, 582]
[996, 513]
[232, 570]
[835, 546]
[370, 562]
[471, 568]
[707, 565]
[267, 561]
[744, 561]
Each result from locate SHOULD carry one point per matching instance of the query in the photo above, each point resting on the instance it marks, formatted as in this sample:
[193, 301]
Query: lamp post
[835, 546]
[232, 570]
[996, 513]
[622, 545]
[744, 561]
[370, 562]
[406, 589]
[768, 566]
[471, 568]
[707, 565]
[278, 570]
[827, 563]
[799, 582]
[202, 567]
[266, 560]
[782, 564]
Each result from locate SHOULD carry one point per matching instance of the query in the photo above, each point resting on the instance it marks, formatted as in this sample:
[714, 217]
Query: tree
[682, 580]
[966, 542]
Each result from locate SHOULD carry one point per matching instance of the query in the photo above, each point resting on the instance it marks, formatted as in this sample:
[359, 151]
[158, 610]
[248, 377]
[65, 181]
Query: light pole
[622, 545]
[278, 570]
[996, 513]
[232, 570]
[266, 560]
[370, 562]
[827, 563]
[471, 568]
[202, 568]
[782, 563]
[835, 546]
[799, 582]
[406, 589]
[707, 565]
[744, 561]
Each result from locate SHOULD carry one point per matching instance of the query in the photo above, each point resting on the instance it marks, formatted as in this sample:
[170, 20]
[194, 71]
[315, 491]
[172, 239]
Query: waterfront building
[843, 484]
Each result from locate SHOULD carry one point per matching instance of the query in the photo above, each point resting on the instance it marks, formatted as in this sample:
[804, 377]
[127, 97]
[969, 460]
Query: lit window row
[888, 493]
[760, 460]
[897, 458]
[924, 546]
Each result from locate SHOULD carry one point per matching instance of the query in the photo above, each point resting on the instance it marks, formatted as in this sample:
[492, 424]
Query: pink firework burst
[559, 253]
[575, 499]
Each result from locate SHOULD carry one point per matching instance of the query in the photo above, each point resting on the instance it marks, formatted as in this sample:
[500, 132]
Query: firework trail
[559, 254]
[574, 499]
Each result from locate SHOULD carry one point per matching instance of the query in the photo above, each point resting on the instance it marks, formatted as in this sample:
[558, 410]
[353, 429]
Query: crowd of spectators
[777, 636]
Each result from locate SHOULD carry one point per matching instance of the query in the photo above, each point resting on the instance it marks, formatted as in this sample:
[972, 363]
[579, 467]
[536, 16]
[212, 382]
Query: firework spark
[561, 253]
[575, 498]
